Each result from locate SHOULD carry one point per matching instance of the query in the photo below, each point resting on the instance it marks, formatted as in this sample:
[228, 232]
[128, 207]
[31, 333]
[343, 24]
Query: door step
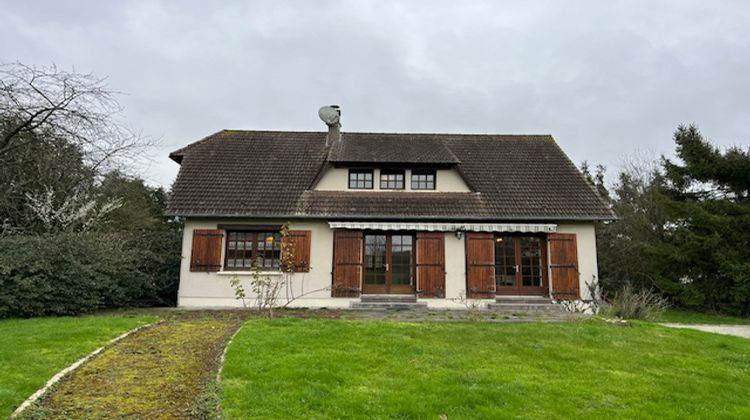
[384, 302]
[380, 306]
[524, 304]
[523, 299]
[389, 298]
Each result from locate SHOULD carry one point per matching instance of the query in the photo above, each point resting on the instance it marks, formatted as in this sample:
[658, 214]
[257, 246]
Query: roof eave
[390, 217]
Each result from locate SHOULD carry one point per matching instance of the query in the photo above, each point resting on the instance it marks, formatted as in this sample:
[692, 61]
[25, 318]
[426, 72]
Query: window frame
[395, 181]
[352, 184]
[423, 172]
[275, 246]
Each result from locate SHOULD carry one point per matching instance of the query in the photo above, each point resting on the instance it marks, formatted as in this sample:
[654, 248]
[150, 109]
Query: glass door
[401, 266]
[388, 264]
[375, 264]
[520, 265]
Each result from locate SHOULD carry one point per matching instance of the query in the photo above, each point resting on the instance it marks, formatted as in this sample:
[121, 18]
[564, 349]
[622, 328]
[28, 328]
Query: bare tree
[65, 105]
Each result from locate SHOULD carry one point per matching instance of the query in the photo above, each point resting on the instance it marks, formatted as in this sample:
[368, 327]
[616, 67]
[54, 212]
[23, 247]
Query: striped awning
[448, 227]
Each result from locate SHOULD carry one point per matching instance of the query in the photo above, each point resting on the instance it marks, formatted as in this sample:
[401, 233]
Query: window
[360, 179]
[422, 179]
[391, 179]
[245, 247]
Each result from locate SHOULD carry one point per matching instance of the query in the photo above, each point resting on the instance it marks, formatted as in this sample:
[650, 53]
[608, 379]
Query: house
[433, 217]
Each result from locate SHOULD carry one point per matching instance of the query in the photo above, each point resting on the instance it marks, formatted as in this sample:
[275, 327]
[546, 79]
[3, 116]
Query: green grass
[34, 350]
[291, 368]
[687, 317]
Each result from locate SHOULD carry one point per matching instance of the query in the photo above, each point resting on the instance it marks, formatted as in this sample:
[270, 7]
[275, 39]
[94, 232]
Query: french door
[520, 265]
[388, 263]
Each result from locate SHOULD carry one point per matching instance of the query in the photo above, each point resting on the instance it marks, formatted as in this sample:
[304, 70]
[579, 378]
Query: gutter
[376, 218]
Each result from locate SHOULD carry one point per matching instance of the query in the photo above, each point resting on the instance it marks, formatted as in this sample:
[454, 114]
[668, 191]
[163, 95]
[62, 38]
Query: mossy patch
[159, 372]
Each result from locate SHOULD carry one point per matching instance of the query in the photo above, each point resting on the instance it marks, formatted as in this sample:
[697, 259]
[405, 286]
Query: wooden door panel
[563, 251]
[347, 263]
[430, 263]
[480, 265]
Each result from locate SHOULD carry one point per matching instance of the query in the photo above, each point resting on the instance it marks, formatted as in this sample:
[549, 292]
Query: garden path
[736, 330]
[158, 372]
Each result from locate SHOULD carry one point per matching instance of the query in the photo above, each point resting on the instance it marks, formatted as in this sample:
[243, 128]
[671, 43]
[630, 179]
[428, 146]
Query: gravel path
[736, 330]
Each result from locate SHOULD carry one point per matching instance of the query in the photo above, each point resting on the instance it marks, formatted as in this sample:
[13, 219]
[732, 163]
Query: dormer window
[423, 179]
[360, 179]
[391, 179]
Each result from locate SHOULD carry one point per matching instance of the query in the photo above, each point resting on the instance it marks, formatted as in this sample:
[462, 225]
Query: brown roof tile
[391, 148]
[269, 173]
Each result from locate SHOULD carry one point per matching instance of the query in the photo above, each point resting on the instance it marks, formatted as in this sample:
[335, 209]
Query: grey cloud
[607, 79]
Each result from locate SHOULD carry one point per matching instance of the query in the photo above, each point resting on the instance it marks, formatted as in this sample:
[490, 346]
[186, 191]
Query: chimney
[331, 115]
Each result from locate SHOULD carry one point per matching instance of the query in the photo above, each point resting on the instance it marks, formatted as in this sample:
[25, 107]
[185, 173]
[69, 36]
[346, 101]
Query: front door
[520, 265]
[388, 263]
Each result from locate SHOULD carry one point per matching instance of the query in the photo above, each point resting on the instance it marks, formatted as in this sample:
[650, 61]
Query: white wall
[455, 266]
[586, 241]
[213, 289]
[446, 180]
[199, 289]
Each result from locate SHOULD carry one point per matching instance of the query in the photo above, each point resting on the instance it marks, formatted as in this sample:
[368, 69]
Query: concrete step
[535, 300]
[381, 306]
[389, 298]
[525, 307]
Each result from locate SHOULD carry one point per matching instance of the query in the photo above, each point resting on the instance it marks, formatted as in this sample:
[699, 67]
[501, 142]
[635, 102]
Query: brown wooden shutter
[480, 265]
[299, 241]
[431, 264]
[347, 263]
[206, 252]
[563, 252]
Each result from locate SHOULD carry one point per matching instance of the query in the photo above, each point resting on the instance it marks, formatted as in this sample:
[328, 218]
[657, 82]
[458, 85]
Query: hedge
[69, 274]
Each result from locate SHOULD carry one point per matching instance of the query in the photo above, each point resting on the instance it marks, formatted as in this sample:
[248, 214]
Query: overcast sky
[607, 79]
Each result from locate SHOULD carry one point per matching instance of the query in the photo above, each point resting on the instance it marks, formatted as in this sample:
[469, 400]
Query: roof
[399, 148]
[270, 174]
[359, 204]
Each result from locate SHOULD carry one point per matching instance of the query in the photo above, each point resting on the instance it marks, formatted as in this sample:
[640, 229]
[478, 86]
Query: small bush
[629, 303]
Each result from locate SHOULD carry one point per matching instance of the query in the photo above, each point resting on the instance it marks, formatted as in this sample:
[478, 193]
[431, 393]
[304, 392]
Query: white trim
[449, 227]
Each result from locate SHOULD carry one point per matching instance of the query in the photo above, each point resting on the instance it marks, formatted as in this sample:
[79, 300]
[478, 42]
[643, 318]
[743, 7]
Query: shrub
[72, 273]
[629, 303]
[155, 268]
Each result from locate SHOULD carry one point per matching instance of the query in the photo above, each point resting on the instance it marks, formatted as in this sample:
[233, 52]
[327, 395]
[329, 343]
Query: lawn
[687, 317]
[34, 350]
[290, 368]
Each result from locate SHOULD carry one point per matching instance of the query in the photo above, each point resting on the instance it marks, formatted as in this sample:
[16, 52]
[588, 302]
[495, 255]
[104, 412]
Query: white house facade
[443, 219]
